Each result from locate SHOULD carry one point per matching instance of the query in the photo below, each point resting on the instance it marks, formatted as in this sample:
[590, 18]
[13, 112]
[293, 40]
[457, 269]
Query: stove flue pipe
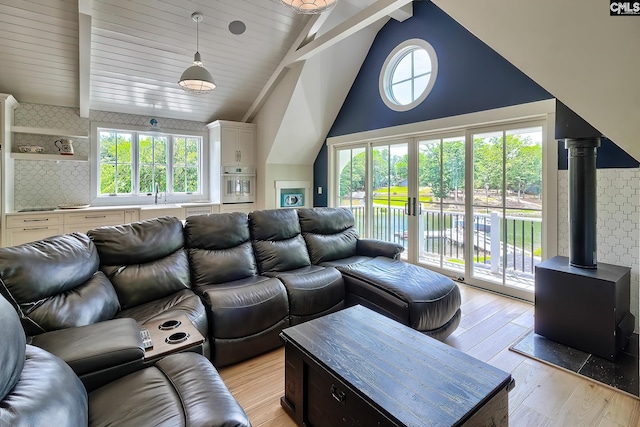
[582, 201]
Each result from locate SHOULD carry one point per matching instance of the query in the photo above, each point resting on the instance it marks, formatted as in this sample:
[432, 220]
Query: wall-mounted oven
[238, 184]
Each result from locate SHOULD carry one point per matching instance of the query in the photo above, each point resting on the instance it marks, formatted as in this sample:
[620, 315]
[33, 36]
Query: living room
[330, 90]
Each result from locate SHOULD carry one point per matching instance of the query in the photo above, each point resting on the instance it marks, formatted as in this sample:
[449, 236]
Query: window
[136, 164]
[408, 75]
[468, 199]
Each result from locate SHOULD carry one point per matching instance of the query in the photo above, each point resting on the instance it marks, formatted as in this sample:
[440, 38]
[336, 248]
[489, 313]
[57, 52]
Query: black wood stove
[579, 302]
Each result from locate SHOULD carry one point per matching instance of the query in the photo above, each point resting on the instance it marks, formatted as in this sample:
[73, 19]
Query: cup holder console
[169, 324]
[177, 337]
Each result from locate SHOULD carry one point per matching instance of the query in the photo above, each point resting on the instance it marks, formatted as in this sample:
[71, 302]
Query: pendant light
[196, 79]
[310, 7]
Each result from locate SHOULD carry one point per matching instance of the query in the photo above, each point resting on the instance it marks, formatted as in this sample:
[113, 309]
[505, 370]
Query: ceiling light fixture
[309, 7]
[196, 79]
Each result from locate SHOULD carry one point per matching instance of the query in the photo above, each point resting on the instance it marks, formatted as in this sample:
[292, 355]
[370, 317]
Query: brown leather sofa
[39, 389]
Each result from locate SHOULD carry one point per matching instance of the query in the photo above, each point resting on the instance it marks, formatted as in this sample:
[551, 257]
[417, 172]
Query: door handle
[407, 207]
[414, 207]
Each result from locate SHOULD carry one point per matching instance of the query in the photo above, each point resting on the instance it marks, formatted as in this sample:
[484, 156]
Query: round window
[408, 75]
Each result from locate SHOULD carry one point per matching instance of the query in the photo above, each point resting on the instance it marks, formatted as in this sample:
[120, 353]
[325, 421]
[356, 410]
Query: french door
[466, 203]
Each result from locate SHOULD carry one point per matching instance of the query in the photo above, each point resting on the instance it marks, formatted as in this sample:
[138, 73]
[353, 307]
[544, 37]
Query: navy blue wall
[471, 77]
[571, 125]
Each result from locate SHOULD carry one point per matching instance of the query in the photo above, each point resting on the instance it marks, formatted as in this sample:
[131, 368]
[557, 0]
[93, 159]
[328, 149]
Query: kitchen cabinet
[28, 228]
[84, 221]
[200, 210]
[156, 211]
[236, 142]
[237, 207]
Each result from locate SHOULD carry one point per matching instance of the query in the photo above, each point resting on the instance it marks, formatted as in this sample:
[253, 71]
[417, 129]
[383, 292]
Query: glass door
[441, 195]
[390, 197]
[352, 183]
[505, 221]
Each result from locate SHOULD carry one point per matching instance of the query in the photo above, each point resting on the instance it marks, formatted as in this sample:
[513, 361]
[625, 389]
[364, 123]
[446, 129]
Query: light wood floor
[543, 396]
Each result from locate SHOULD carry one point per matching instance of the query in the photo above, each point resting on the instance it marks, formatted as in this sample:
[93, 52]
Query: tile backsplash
[618, 211]
[40, 183]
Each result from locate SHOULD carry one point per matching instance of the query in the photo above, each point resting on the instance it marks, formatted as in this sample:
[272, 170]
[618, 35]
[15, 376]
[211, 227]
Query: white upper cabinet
[237, 142]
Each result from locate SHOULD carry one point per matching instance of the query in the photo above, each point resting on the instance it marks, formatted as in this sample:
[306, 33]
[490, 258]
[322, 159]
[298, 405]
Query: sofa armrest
[97, 353]
[374, 248]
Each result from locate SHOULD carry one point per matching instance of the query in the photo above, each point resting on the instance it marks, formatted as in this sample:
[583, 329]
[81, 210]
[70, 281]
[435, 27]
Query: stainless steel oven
[238, 184]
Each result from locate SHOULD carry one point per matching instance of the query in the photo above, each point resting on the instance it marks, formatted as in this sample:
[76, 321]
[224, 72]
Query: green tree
[523, 165]
[441, 167]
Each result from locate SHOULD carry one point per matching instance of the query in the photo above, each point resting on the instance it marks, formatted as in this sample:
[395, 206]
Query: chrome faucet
[156, 193]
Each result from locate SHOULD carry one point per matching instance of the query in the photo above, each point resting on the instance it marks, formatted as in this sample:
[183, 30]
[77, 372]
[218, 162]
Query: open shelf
[56, 157]
[48, 131]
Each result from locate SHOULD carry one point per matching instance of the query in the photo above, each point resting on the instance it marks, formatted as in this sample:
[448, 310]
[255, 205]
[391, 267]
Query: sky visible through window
[410, 76]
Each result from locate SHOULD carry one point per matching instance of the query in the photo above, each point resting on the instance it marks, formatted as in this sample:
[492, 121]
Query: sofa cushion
[245, 307]
[277, 242]
[312, 290]
[181, 389]
[216, 231]
[138, 242]
[330, 233]
[48, 393]
[219, 248]
[55, 283]
[141, 283]
[144, 260]
[12, 350]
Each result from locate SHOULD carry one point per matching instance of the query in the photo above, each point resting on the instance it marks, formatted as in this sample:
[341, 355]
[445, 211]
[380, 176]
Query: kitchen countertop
[116, 207]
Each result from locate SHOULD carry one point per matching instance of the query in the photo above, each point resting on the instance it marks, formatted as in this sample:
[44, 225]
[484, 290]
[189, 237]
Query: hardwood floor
[543, 396]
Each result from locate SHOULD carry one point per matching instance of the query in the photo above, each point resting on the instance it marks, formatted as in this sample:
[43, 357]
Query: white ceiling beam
[402, 14]
[305, 35]
[306, 45]
[85, 9]
[362, 19]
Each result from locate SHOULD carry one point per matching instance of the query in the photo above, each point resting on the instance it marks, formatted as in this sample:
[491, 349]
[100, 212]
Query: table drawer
[22, 221]
[332, 403]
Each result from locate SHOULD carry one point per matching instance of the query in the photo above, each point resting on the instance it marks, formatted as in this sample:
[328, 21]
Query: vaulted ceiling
[127, 55]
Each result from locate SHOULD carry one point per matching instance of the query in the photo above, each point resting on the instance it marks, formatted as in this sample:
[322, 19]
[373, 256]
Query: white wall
[572, 48]
[618, 210]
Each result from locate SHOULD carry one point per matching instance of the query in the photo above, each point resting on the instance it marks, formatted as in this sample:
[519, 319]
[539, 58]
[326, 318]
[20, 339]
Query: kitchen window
[134, 165]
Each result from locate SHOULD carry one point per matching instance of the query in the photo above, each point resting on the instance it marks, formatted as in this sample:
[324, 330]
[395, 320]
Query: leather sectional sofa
[239, 279]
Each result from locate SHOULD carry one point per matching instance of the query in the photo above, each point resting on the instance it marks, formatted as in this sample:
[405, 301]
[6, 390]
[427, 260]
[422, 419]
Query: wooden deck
[543, 396]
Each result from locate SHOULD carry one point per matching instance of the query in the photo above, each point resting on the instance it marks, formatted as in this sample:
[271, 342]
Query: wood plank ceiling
[139, 49]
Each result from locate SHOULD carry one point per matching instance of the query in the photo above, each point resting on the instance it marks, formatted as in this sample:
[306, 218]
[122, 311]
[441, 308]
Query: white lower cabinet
[156, 212]
[82, 222]
[28, 228]
[238, 207]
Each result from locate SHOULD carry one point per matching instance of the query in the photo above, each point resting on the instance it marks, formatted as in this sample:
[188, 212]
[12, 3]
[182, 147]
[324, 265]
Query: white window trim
[389, 67]
[98, 200]
[539, 110]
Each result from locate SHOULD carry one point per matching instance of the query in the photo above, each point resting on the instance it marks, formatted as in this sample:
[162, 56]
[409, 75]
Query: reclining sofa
[239, 279]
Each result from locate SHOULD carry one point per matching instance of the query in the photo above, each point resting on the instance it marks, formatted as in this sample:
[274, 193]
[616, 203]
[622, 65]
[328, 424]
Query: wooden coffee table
[161, 335]
[358, 368]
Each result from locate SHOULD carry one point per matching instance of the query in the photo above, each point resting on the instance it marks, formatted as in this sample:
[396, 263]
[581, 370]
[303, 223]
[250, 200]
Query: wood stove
[579, 302]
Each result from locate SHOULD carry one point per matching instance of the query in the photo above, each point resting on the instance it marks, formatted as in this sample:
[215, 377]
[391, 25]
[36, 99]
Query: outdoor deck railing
[520, 238]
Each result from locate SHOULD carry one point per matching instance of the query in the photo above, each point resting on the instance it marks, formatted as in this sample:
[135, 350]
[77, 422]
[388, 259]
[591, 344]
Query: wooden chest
[359, 368]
